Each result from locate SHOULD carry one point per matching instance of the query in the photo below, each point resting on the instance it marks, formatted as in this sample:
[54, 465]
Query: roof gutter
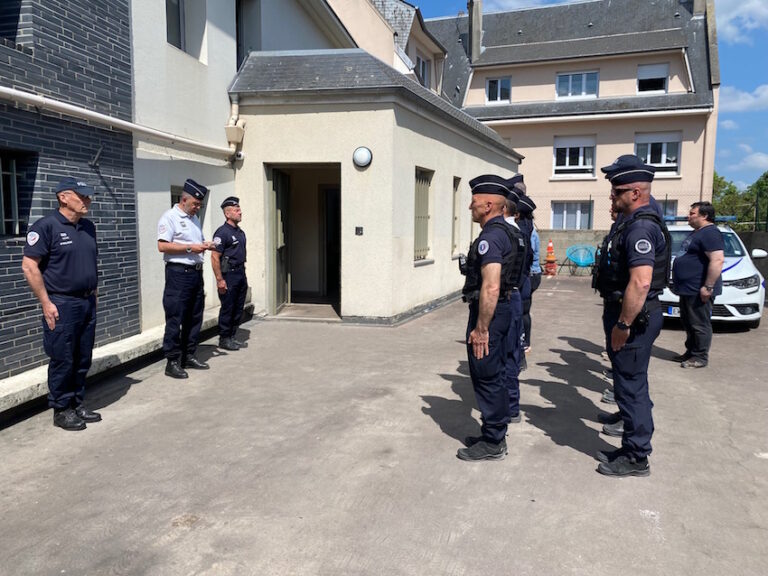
[593, 117]
[45, 103]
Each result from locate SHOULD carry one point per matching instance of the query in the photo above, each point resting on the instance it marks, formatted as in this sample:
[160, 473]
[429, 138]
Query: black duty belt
[235, 268]
[77, 294]
[185, 267]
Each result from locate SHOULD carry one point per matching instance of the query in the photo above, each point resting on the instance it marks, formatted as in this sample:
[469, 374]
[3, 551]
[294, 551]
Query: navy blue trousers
[70, 348]
[630, 378]
[183, 300]
[514, 353]
[696, 317]
[488, 373]
[232, 302]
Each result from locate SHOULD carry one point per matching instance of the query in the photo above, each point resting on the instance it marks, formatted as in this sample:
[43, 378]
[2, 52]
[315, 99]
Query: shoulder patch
[482, 248]
[32, 238]
[643, 246]
[216, 240]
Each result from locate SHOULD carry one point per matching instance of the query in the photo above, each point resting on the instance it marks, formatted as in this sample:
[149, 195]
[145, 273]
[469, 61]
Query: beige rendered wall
[612, 139]
[418, 44]
[419, 142]
[617, 77]
[379, 278]
[367, 27]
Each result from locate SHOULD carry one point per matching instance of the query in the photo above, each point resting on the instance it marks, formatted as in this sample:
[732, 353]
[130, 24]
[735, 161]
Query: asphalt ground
[329, 449]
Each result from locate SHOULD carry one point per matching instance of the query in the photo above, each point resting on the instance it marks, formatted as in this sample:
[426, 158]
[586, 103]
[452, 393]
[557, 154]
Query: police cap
[194, 189]
[230, 201]
[627, 169]
[489, 184]
[517, 183]
[75, 185]
[526, 205]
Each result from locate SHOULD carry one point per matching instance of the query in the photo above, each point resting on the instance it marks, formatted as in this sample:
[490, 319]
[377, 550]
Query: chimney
[475, 10]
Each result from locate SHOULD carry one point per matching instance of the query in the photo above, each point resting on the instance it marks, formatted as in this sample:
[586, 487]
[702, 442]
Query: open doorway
[307, 241]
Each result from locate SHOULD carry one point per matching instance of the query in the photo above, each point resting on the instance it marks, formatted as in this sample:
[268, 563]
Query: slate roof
[400, 17]
[579, 30]
[326, 72]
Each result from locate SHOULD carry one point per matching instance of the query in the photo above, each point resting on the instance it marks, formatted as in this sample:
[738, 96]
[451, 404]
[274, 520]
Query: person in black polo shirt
[60, 267]
[696, 280]
[228, 262]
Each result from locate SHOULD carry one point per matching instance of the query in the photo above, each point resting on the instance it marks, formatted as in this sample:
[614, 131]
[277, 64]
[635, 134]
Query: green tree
[728, 200]
[758, 195]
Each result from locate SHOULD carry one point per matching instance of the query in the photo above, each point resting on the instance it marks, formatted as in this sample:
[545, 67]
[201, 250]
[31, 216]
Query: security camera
[240, 155]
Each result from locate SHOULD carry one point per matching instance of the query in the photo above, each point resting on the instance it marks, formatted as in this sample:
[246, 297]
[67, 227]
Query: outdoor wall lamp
[362, 157]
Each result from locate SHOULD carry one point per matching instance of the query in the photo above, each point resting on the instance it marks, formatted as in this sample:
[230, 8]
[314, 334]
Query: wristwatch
[621, 325]
[709, 288]
[189, 250]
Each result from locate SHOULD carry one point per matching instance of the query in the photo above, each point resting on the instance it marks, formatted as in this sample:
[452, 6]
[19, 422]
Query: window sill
[424, 262]
[667, 176]
[498, 102]
[564, 178]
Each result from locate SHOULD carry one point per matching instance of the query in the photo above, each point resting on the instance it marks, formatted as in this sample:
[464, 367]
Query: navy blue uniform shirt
[493, 243]
[230, 242]
[689, 273]
[67, 253]
[641, 241]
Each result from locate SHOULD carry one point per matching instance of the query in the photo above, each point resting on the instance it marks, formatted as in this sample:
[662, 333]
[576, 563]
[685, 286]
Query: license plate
[673, 311]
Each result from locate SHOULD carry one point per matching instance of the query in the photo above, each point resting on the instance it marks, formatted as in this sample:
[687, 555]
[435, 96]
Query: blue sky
[742, 31]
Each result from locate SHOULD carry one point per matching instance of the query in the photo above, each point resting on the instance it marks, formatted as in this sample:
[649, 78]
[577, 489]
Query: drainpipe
[235, 128]
[45, 103]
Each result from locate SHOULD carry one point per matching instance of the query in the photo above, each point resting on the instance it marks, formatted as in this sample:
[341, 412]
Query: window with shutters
[577, 85]
[574, 156]
[571, 215]
[652, 78]
[421, 220]
[661, 150]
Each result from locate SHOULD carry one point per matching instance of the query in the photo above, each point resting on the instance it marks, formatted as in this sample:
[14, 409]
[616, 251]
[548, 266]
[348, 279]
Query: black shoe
[693, 363]
[240, 343]
[616, 429]
[608, 456]
[608, 397]
[609, 418]
[516, 419]
[228, 344]
[67, 419]
[483, 450]
[625, 465]
[174, 370]
[193, 362]
[86, 415]
[682, 357]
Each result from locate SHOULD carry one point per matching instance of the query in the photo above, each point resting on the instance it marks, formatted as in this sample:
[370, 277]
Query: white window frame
[456, 230]
[650, 72]
[498, 99]
[584, 95]
[663, 138]
[424, 68]
[422, 230]
[574, 171]
[17, 224]
[579, 213]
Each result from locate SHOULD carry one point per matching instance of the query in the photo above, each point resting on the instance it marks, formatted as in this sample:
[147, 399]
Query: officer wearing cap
[59, 265]
[632, 272]
[515, 356]
[180, 240]
[491, 274]
[228, 261]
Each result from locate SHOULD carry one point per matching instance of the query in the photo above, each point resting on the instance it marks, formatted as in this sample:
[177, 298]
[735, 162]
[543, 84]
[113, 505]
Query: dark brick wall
[75, 51]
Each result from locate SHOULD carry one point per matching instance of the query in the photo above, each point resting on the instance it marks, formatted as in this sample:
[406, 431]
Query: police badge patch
[643, 246]
[217, 240]
[32, 238]
[482, 248]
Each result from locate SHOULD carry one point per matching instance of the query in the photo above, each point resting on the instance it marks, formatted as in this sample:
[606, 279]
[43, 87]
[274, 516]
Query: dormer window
[498, 90]
[652, 78]
[423, 71]
[577, 85]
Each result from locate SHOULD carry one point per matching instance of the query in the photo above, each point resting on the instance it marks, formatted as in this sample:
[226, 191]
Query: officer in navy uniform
[180, 240]
[228, 262]
[60, 266]
[515, 356]
[632, 272]
[491, 274]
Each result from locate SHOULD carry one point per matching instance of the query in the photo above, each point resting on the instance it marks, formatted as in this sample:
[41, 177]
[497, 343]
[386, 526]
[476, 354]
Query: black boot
[87, 415]
[174, 370]
[67, 419]
[228, 344]
[192, 362]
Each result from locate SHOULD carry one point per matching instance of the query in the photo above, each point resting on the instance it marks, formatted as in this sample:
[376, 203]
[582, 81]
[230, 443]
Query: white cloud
[746, 148]
[724, 153]
[756, 161]
[737, 19]
[729, 125]
[740, 184]
[735, 100]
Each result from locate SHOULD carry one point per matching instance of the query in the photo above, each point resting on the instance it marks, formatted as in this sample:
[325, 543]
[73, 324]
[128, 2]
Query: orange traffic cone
[550, 266]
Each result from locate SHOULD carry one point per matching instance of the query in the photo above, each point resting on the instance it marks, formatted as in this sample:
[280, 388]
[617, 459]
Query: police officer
[515, 355]
[180, 240]
[490, 275]
[59, 264]
[632, 272]
[228, 261]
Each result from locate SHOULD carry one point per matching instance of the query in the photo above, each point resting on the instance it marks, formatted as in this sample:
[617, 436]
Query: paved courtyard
[329, 449]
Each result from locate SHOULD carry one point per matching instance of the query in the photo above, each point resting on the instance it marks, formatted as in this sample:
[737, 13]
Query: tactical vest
[526, 227]
[511, 266]
[612, 274]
